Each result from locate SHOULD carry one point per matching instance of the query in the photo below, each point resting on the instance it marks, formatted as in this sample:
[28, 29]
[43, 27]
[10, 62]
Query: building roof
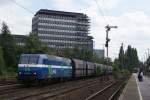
[53, 12]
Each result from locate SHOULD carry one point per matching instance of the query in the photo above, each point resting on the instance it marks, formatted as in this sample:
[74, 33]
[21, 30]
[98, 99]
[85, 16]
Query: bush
[120, 73]
[125, 73]
[98, 71]
[7, 72]
[116, 72]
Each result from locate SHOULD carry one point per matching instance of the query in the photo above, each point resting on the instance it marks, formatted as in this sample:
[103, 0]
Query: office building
[59, 29]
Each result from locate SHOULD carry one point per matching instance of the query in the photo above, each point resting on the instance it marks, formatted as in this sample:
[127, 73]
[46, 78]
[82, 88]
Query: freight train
[38, 67]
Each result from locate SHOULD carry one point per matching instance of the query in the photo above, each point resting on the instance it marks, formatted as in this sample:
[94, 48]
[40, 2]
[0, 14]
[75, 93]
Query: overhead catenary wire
[28, 10]
[101, 12]
[104, 11]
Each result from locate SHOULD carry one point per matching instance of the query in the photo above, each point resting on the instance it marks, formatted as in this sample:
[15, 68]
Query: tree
[33, 44]
[2, 64]
[131, 58]
[135, 58]
[116, 71]
[121, 57]
[86, 54]
[96, 59]
[147, 63]
[76, 53]
[8, 46]
[67, 52]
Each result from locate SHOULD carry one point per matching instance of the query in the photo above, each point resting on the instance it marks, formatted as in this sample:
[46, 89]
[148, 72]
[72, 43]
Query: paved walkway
[131, 91]
[145, 88]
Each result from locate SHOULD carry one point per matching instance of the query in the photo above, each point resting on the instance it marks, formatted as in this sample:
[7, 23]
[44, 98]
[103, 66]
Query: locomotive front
[43, 67]
[30, 67]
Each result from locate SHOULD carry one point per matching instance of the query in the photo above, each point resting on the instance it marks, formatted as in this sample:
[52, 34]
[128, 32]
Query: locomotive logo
[49, 70]
[27, 68]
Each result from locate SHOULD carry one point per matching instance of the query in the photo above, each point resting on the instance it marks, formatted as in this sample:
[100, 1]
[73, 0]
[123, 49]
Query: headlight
[19, 73]
[34, 73]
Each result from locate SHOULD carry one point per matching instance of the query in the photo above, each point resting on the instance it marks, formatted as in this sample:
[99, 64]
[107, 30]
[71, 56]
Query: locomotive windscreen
[29, 59]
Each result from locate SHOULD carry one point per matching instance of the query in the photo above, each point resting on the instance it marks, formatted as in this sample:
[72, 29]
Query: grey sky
[131, 16]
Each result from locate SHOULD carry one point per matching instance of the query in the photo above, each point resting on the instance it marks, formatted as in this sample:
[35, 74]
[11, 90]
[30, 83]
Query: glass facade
[60, 29]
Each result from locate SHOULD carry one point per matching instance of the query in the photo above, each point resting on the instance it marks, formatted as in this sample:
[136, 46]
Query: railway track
[107, 93]
[11, 91]
[8, 85]
[54, 93]
[9, 88]
[117, 92]
[8, 82]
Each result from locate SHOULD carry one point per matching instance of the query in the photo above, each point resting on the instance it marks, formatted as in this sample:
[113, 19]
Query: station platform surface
[145, 88]
[131, 90]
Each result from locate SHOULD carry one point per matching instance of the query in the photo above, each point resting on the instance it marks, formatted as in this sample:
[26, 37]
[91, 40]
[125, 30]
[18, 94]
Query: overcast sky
[131, 16]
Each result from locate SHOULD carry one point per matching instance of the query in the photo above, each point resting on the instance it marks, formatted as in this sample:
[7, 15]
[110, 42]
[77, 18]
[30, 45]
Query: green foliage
[7, 72]
[116, 72]
[45, 48]
[147, 64]
[126, 62]
[2, 64]
[68, 53]
[107, 61]
[33, 44]
[86, 54]
[8, 46]
[98, 71]
[120, 73]
[131, 58]
[125, 73]
[121, 57]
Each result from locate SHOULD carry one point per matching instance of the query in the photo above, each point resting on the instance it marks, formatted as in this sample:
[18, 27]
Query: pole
[122, 58]
[108, 28]
[107, 45]
[148, 52]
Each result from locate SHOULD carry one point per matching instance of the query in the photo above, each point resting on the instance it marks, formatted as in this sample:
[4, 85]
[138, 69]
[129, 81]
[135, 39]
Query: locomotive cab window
[33, 59]
[24, 60]
[29, 59]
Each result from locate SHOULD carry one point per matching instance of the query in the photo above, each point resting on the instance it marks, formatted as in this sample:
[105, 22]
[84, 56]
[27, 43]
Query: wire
[101, 12]
[21, 6]
[105, 11]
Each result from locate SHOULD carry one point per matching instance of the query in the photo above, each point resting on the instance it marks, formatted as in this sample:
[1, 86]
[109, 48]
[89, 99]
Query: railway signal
[108, 28]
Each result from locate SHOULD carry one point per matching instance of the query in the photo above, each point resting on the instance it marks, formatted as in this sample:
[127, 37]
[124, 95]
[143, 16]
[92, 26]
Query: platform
[145, 88]
[131, 90]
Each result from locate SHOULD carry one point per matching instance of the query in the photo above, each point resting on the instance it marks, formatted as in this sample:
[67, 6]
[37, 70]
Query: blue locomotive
[44, 66]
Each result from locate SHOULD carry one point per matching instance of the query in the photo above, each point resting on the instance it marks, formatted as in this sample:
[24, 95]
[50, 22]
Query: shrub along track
[46, 91]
